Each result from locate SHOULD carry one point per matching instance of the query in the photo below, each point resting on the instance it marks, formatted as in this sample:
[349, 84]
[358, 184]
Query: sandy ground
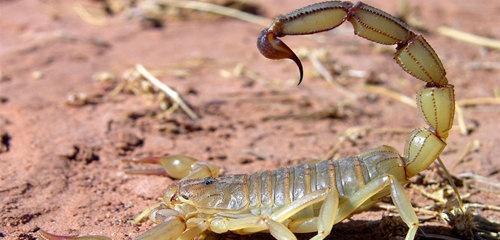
[61, 164]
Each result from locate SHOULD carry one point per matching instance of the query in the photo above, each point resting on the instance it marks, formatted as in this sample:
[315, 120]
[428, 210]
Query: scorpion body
[311, 197]
[265, 192]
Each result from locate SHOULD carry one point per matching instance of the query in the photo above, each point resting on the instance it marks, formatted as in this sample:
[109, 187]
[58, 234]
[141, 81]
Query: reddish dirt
[61, 165]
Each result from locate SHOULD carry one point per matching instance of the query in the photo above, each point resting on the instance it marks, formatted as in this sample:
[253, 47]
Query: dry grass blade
[435, 196]
[464, 130]
[483, 65]
[452, 183]
[460, 104]
[167, 90]
[323, 71]
[405, 12]
[418, 210]
[481, 179]
[472, 146]
[391, 94]
[483, 206]
[479, 101]
[354, 133]
[91, 17]
[468, 37]
[221, 10]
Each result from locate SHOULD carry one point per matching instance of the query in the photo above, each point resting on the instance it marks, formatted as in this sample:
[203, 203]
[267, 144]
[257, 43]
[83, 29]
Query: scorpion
[309, 197]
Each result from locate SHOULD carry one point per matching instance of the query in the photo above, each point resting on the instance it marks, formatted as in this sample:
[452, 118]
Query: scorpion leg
[177, 166]
[322, 223]
[399, 198]
[170, 229]
[171, 226]
[194, 228]
[279, 230]
[260, 223]
[327, 213]
[304, 225]
[275, 222]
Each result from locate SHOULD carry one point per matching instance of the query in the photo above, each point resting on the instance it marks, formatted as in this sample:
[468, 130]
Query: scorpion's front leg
[177, 166]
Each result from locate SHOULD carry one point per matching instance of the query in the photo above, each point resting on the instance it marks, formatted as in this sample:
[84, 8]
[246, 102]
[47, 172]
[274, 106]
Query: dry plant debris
[155, 12]
[406, 13]
[141, 82]
[174, 96]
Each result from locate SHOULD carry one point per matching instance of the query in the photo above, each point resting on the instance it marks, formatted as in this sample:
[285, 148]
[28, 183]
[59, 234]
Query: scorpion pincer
[312, 197]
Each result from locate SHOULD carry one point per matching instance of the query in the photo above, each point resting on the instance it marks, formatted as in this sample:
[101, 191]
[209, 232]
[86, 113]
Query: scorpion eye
[208, 181]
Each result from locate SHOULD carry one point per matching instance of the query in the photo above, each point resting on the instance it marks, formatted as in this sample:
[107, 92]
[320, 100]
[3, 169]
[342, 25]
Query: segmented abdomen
[274, 189]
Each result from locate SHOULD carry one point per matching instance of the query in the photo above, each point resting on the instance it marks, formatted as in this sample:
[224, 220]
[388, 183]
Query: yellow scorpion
[310, 197]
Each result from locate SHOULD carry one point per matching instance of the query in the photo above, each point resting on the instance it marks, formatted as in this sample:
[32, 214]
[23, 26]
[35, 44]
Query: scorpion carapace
[310, 197]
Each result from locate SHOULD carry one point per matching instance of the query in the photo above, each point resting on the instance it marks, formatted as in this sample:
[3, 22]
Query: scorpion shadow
[389, 227]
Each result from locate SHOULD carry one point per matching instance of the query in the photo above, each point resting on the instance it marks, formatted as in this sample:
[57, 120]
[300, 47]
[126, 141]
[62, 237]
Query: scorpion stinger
[273, 48]
[300, 22]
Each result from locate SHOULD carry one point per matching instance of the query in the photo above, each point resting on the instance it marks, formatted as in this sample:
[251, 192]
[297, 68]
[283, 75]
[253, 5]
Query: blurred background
[78, 95]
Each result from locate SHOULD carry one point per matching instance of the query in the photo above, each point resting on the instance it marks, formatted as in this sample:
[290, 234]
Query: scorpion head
[223, 193]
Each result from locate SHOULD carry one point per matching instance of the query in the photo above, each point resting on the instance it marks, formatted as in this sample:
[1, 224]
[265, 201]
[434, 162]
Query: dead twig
[221, 10]
[482, 206]
[405, 12]
[419, 210]
[438, 198]
[262, 21]
[167, 90]
[323, 71]
[460, 104]
[464, 130]
[481, 179]
[480, 65]
[468, 37]
[472, 146]
[353, 133]
[479, 101]
[91, 17]
[391, 94]
[452, 184]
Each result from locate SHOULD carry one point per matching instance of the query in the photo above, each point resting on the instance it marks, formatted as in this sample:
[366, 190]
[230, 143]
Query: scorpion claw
[273, 48]
[175, 166]
[168, 230]
[49, 236]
